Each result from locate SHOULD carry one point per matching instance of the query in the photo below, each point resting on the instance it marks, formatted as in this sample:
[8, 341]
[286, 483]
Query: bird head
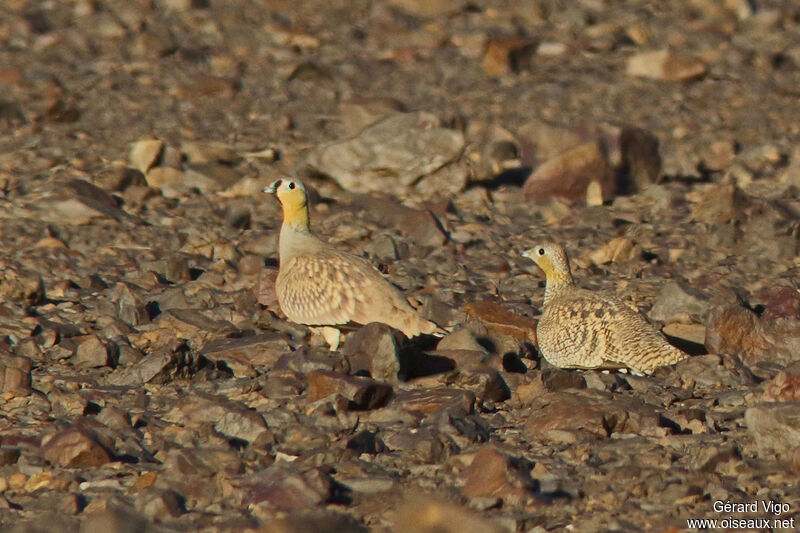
[294, 200]
[552, 259]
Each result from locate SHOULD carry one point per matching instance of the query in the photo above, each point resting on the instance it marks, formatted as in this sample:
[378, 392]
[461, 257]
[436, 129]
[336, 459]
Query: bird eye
[541, 251]
[291, 185]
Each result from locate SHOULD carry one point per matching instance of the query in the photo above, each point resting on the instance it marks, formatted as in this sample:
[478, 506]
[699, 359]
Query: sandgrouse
[585, 329]
[318, 285]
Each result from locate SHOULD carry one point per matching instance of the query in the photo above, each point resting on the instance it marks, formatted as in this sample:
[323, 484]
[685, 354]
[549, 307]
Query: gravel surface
[150, 383]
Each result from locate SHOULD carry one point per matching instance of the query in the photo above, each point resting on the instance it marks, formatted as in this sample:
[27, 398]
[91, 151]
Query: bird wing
[329, 287]
[603, 329]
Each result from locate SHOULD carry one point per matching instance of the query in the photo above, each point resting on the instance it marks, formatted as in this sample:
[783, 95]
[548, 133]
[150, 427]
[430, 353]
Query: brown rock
[75, 447]
[20, 285]
[427, 401]
[734, 329]
[161, 177]
[775, 428]
[15, 373]
[568, 175]
[617, 250]
[62, 111]
[591, 411]
[541, 141]
[244, 353]
[493, 474]
[116, 179]
[363, 393]
[641, 161]
[156, 503]
[485, 382]
[420, 225]
[718, 204]
[285, 489]
[91, 353]
[507, 54]
[665, 65]
[780, 302]
[376, 348]
[145, 154]
[501, 322]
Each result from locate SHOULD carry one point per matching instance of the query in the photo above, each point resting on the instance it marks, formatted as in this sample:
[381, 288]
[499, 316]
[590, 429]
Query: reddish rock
[501, 322]
[784, 387]
[75, 447]
[363, 393]
[592, 411]
[734, 329]
[493, 474]
[507, 54]
[91, 353]
[427, 401]
[780, 302]
[568, 175]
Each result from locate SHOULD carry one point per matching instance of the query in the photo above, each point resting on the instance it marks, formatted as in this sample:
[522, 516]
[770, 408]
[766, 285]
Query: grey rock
[389, 155]
[376, 349]
[775, 428]
[678, 301]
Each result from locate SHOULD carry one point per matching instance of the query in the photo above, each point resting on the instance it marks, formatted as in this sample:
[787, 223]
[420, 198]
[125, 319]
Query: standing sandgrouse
[585, 329]
[318, 285]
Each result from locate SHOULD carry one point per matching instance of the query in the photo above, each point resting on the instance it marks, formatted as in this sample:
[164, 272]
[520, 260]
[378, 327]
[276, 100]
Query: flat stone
[92, 353]
[493, 474]
[617, 250]
[363, 393]
[243, 353]
[507, 54]
[665, 65]
[15, 373]
[75, 447]
[592, 411]
[144, 154]
[286, 489]
[231, 418]
[389, 155]
[158, 367]
[775, 428]
[499, 321]
[678, 301]
[427, 401]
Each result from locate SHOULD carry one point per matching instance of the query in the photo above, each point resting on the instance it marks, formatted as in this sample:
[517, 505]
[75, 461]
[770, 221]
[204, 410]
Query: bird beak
[526, 253]
[272, 188]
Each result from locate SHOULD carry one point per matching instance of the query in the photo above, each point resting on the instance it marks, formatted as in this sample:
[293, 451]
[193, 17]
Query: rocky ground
[148, 381]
